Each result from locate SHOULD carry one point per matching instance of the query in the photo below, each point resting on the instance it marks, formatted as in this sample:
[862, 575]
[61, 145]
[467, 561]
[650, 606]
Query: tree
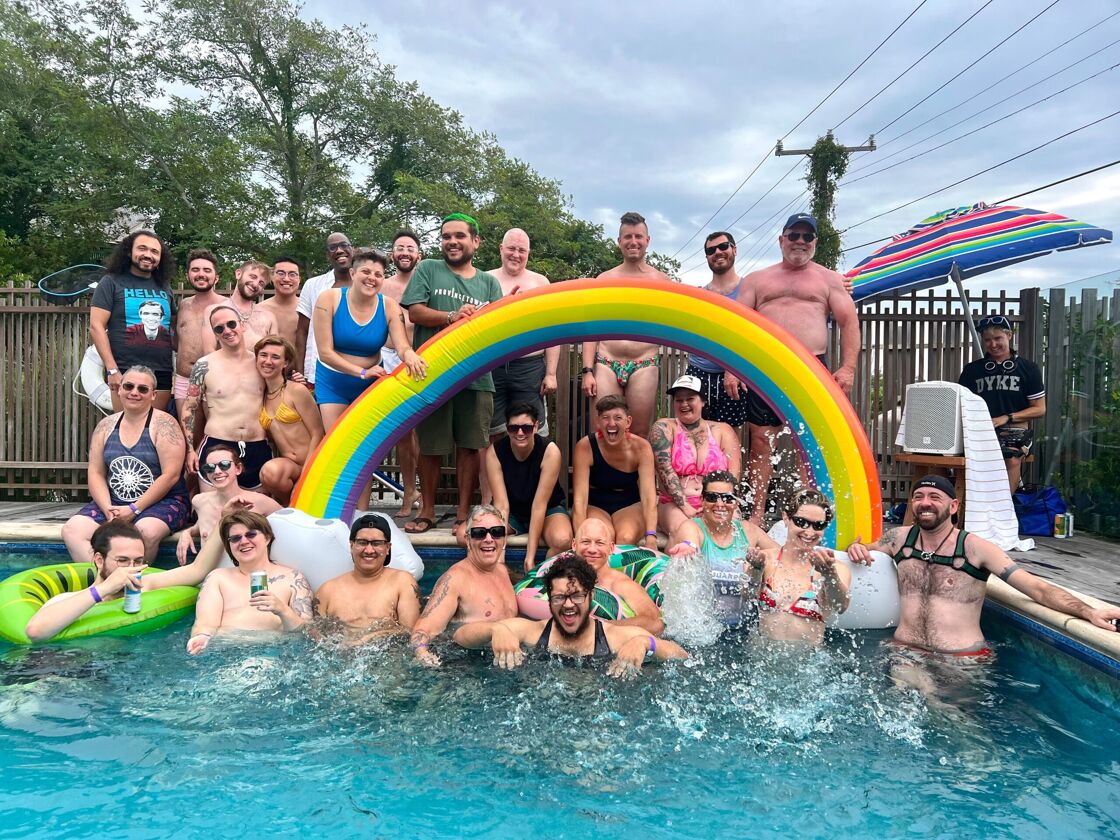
[828, 161]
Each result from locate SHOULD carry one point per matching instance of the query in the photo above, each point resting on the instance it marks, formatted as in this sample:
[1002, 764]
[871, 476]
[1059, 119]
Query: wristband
[363, 373]
[132, 507]
[1010, 418]
[651, 533]
[96, 595]
[586, 370]
[690, 544]
[207, 635]
[652, 645]
[421, 645]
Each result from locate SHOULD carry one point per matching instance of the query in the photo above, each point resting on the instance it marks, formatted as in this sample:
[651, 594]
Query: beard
[244, 293]
[939, 518]
[458, 262]
[411, 260]
[559, 627]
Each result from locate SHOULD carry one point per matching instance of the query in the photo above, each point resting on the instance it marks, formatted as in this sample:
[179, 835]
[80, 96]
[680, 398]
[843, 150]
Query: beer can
[131, 600]
[1063, 524]
[257, 582]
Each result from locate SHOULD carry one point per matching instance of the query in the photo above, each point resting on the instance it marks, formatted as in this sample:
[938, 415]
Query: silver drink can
[131, 600]
[257, 582]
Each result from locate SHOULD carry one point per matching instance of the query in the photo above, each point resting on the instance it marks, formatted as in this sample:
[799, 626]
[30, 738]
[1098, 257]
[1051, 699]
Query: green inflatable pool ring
[24, 593]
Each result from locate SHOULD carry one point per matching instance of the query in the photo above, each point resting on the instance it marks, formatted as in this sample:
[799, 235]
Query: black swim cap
[937, 482]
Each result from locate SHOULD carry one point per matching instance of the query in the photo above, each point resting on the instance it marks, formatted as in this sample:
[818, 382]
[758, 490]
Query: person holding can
[233, 599]
[1012, 388]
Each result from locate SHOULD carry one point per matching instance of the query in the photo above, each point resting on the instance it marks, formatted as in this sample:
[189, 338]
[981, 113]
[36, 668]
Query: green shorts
[520, 527]
[463, 422]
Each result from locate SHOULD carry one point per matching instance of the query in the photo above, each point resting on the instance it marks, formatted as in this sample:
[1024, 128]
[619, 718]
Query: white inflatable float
[92, 376]
[874, 590]
[320, 548]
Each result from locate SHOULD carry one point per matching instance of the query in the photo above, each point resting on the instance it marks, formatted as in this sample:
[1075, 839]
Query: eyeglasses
[576, 598]
[224, 466]
[405, 249]
[496, 531]
[294, 274]
[364, 544]
[339, 246]
[1000, 321]
[221, 328]
[726, 498]
[248, 535]
[522, 428]
[802, 522]
[132, 386]
[723, 246]
[797, 236]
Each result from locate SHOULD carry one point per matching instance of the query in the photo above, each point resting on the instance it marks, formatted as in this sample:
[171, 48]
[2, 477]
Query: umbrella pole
[955, 276]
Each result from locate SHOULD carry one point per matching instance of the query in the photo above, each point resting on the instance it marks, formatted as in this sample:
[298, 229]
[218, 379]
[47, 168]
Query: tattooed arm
[889, 543]
[168, 440]
[195, 389]
[408, 604]
[661, 439]
[301, 600]
[442, 606]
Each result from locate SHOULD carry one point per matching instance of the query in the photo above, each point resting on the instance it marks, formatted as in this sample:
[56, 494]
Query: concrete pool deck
[1087, 566]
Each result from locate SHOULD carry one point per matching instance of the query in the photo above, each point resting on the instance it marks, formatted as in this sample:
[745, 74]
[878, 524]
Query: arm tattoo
[438, 596]
[662, 448]
[886, 542]
[167, 429]
[301, 596]
[194, 394]
[1006, 573]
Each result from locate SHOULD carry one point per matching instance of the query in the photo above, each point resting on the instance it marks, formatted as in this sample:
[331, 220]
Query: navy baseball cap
[798, 218]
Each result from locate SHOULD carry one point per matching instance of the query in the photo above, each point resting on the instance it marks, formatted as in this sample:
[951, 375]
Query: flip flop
[419, 525]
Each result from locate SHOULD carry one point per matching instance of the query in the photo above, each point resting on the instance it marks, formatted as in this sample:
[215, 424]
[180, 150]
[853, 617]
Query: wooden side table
[944, 462]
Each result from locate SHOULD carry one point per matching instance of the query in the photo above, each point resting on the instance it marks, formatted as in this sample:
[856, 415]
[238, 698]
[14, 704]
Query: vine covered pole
[828, 161]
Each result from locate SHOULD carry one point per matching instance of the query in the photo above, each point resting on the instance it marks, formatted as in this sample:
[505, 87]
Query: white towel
[989, 512]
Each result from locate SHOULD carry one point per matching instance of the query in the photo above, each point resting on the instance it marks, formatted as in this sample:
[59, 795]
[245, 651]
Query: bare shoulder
[984, 553]
[164, 427]
[106, 424]
[658, 274]
[533, 280]
[617, 271]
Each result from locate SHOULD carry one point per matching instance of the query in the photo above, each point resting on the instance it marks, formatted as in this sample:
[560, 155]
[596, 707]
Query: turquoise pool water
[133, 738]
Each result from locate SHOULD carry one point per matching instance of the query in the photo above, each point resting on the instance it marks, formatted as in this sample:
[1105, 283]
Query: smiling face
[485, 553]
[458, 243]
[594, 543]
[247, 545]
[367, 277]
[138, 391]
[633, 240]
[570, 606]
[146, 253]
[723, 259]
[720, 511]
[997, 343]
[370, 551]
[127, 552]
[521, 437]
[805, 536]
[202, 275]
[515, 252]
[232, 329]
[272, 361]
[285, 278]
[220, 468]
[405, 254]
[251, 281]
[151, 315]
[687, 406]
[931, 507]
[339, 251]
[798, 254]
[613, 425]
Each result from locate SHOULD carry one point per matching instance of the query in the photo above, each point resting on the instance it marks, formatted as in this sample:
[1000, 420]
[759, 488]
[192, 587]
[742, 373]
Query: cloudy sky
[666, 107]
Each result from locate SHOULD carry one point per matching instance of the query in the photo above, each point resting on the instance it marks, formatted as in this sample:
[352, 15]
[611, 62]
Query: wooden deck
[1082, 562]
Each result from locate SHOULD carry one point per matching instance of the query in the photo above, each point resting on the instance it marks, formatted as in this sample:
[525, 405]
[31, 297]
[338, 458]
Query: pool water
[131, 737]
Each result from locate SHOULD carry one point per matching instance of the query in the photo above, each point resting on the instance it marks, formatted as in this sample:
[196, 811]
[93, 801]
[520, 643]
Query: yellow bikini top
[284, 414]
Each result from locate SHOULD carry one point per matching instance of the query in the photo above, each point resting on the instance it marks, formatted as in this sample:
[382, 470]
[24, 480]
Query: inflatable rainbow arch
[770, 360]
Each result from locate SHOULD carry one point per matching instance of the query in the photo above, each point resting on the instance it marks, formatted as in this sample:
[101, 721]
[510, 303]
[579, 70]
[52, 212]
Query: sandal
[419, 525]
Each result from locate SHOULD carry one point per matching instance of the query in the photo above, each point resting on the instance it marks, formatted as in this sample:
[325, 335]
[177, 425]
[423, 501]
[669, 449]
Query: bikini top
[805, 605]
[956, 560]
[683, 455]
[356, 339]
[284, 414]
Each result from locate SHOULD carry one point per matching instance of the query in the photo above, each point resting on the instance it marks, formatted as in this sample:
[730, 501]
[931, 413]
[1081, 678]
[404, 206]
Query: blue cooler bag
[1036, 508]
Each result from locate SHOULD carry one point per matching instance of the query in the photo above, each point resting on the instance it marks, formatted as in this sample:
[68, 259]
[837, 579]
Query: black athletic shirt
[1006, 386]
[522, 477]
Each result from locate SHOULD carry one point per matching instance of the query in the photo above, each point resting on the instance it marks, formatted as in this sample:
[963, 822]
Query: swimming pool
[131, 737]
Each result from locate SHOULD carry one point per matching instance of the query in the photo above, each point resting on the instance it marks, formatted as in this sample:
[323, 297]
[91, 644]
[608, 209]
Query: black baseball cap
[799, 218]
[371, 520]
[937, 482]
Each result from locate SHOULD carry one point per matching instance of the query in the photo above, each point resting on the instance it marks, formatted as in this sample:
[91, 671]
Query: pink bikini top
[683, 456]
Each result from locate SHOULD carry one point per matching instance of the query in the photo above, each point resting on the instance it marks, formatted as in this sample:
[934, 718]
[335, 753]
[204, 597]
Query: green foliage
[827, 164]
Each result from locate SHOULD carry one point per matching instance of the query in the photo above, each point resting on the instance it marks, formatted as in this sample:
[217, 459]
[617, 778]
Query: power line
[985, 108]
[975, 130]
[1009, 75]
[1009, 198]
[799, 123]
[915, 64]
[967, 67]
[983, 171]
[768, 240]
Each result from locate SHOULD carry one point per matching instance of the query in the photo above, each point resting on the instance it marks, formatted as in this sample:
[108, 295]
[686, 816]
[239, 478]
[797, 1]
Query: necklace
[928, 555]
[279, 390]
[245, 318]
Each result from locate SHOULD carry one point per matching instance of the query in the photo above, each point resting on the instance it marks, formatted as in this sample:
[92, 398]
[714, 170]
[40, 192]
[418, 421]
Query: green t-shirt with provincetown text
[438, 287]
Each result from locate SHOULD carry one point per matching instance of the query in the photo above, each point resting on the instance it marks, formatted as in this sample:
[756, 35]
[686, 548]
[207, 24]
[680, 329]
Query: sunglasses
[224, 466]
[576, 598]
[364, 544]
[248, 535]
[522, 428]
[711, 249]
[221, 328]
[797, 236]
[726, 498]
[993, 321]
[496, 531]
[802, 522]
[132, 386]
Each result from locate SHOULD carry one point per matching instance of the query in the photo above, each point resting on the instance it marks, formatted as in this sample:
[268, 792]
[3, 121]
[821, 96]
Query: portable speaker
[932, 414]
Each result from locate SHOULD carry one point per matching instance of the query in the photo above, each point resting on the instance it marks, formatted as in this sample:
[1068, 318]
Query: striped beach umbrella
[975, 239]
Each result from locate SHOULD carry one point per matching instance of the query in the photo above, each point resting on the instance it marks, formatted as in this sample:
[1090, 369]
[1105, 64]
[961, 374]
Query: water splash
[689, 604]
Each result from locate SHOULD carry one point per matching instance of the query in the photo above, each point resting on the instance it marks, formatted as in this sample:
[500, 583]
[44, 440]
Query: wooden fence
[906, 338]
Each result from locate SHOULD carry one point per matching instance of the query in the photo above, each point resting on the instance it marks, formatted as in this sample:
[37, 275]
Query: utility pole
[828, 161]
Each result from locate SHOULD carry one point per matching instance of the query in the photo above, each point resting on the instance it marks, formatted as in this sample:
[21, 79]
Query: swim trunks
[624, 370]
[759, 412]
[718, 407]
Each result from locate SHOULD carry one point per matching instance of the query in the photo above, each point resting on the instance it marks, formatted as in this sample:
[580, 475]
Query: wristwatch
[1010, 418]
[112, 371]
[586, 370]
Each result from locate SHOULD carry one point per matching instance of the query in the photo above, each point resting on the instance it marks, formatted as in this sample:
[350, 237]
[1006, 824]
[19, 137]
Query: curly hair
[573, 568]
[120, 261]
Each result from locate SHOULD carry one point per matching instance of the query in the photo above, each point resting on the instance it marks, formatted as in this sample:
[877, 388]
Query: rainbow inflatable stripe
[771, 361]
